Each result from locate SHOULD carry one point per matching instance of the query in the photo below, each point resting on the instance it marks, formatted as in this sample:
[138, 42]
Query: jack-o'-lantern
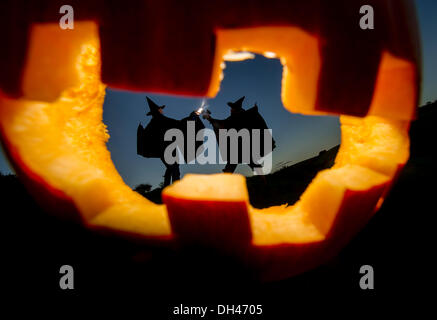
[52, 91]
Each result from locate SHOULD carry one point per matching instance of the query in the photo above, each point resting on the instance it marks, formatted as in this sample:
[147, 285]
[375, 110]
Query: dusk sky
[297, 137]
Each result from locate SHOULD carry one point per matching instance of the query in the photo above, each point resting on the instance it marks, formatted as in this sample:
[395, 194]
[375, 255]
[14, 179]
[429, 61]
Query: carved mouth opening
[304, 145]
[63, 143]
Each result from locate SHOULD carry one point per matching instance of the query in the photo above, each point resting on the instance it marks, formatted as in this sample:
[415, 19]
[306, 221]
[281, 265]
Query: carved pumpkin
[53, 83]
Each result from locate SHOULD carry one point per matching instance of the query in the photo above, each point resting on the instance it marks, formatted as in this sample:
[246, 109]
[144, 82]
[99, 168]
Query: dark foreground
[397, 242]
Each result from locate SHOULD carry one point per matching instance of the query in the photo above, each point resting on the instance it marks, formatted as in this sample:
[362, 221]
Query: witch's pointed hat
[154, 108]
[237, 104]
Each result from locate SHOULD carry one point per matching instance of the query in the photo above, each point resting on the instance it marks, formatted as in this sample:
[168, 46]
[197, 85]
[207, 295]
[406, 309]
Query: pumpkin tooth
[155, 54]
[210, 209]
[347, 77]
[370, 72]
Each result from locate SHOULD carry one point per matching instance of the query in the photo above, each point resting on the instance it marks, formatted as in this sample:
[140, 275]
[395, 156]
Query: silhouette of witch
[241, 119]
[151, 143]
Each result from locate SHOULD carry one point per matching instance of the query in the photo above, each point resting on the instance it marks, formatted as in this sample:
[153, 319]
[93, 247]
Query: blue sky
[297, 137]
[427, 14]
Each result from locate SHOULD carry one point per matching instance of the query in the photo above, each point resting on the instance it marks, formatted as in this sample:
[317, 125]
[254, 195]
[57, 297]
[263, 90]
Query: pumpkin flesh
[60, 146]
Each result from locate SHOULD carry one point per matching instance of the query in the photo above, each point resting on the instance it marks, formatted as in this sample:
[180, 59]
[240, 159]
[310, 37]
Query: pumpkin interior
[64, 142]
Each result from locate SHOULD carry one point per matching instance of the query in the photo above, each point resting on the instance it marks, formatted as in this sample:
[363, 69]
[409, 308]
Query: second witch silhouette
[241, 119]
